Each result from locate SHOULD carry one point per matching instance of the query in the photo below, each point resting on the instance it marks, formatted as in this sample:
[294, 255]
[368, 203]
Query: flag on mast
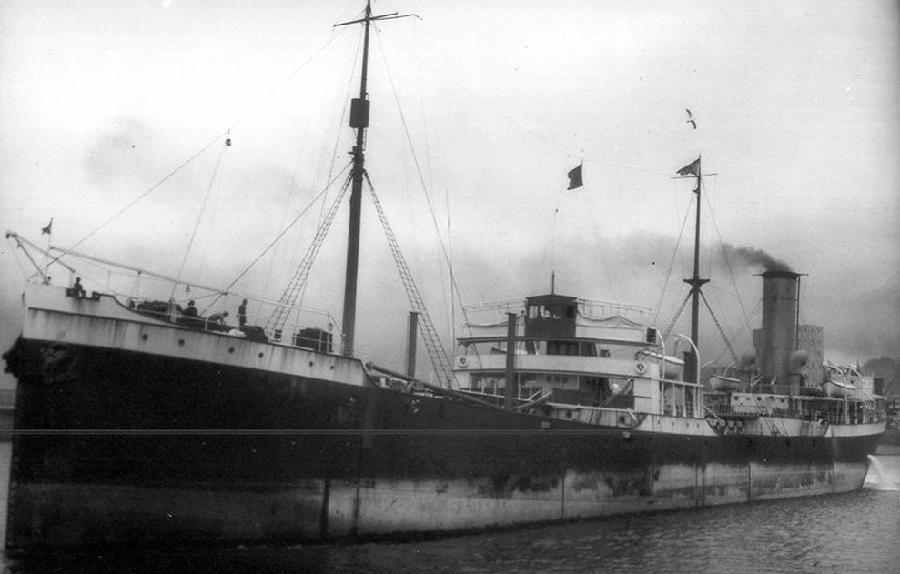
[692, 168]
[575, 177]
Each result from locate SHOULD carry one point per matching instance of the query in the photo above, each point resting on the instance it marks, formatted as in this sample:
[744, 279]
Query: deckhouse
[574, 358]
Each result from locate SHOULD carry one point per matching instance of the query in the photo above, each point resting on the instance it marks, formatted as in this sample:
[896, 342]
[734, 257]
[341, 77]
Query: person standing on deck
[242, 314]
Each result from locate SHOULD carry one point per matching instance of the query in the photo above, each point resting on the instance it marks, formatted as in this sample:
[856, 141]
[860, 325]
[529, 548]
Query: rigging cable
[668, 330]
[450, 271]
[334, 151]
[281, 234]
[144, 194]
[672, 265]
[419, 171]
[739, 330]
[298, 282]
[186, 162]
[728, 263]
[21, 265]
[209, 188]
[337, 140]
[242, 116]
[440, 362]
[719, 326]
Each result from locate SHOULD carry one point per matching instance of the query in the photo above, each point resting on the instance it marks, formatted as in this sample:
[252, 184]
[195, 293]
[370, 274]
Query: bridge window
[562, 348]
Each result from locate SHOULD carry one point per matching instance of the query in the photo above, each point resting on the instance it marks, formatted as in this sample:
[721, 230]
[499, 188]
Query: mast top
[370, 18]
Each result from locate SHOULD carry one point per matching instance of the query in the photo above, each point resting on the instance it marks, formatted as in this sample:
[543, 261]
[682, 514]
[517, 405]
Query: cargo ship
[146, 423]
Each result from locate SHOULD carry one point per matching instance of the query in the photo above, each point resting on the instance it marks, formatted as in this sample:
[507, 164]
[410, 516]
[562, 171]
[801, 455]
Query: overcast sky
[797, 107]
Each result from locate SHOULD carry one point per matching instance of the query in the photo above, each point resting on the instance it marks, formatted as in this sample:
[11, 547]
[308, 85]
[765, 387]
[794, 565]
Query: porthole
[181, 342]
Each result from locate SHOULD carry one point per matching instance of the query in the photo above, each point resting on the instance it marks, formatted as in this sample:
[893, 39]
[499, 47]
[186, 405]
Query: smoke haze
[751, 256]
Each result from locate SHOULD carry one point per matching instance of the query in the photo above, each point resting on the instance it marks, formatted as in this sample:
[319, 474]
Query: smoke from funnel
[754, 256]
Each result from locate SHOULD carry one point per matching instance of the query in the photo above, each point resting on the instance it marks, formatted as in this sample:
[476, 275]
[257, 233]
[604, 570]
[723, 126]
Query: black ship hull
[116, 446]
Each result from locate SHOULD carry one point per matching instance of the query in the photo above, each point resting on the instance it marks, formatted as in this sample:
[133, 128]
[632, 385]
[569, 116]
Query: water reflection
[881, 476]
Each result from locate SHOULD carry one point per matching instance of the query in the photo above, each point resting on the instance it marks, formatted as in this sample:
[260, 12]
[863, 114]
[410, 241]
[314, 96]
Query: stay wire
[719, 326]
[668, 330]
[672, 260]
[337, 141]
[419, 171]
[728, 263]
[740, 330]
[190, 159]
[283, 231]
[143, 194]
[331, 37]
[190, 244]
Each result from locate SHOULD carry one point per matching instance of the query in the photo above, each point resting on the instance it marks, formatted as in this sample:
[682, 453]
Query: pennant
[575, 177]
[692, 168]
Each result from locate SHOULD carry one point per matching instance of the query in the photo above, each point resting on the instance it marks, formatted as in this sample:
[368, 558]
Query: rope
[209, 188]
[282, 233]
[240, 117]
[337, 140]
[144, 194]
[419, 173]
[719, 326]
[21, 265]
[298, 281]
[668, 330]
[739, 331]
[439, 359]
[190, 159]
[728, 263]
[672, 264]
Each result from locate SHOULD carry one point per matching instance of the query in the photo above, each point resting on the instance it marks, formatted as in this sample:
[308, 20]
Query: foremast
[359, 120]
[695, 281]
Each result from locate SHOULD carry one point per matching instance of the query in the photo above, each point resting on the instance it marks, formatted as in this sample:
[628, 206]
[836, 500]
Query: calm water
[857, 532]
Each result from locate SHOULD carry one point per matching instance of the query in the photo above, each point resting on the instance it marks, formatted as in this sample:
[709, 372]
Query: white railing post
[698, 395]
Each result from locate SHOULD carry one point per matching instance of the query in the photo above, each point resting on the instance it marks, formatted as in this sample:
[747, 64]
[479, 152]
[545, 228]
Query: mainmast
[359, 120]
[695, 281]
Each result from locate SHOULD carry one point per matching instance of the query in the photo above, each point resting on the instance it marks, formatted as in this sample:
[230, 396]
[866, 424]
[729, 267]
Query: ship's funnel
[779, 323]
